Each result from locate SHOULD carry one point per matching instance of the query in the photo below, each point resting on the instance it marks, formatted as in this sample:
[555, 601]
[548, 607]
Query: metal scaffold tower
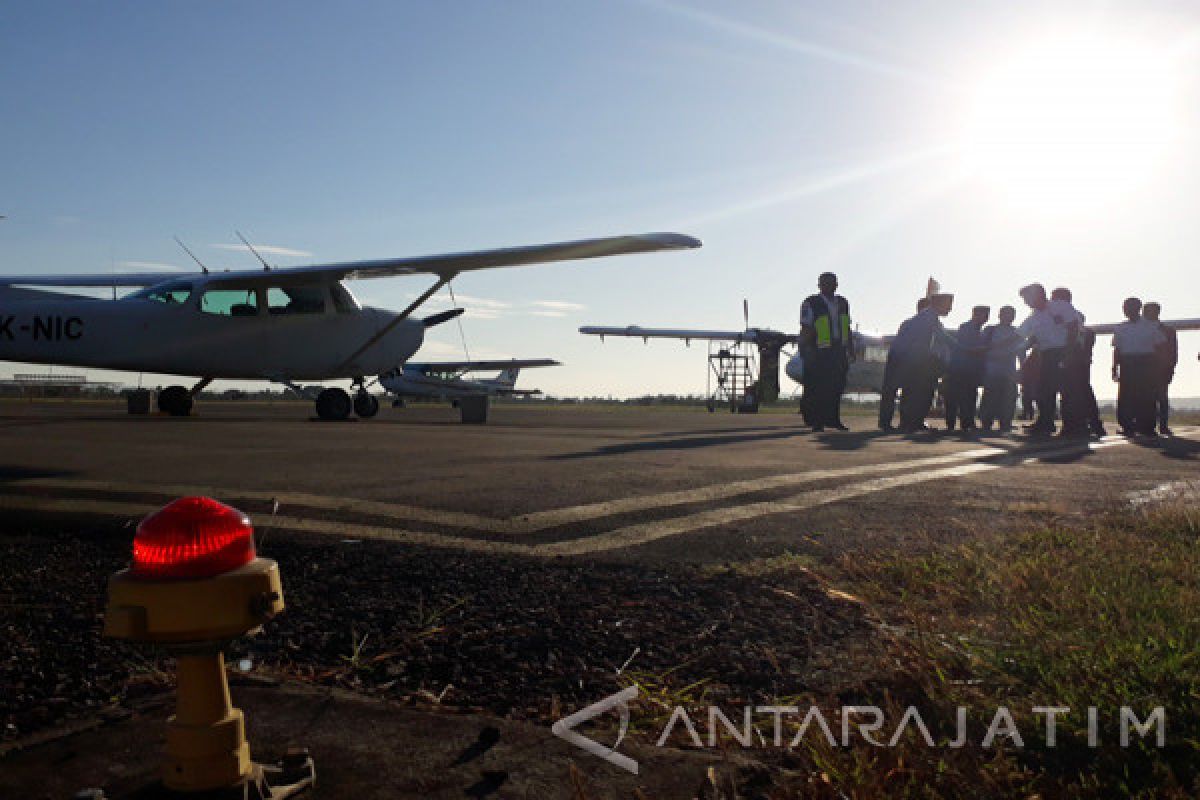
[731, 379]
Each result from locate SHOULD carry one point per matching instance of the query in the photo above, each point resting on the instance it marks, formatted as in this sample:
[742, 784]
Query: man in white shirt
[1046, 331]
[1135, 343]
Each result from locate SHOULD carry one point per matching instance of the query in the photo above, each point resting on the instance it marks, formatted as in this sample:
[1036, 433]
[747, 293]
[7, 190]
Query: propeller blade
[444, 316]
[746, 311]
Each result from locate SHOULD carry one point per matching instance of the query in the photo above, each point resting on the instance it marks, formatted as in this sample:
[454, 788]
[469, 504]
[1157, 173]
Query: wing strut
[403, 315]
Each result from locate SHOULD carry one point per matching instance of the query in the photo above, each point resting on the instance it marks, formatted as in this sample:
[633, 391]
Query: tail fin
[508, 377]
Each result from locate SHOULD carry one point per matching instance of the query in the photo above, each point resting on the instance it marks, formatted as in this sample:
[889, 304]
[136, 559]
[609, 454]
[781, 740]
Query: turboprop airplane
[865, 374]
[736, 382]
[444, 379]
[279, 325]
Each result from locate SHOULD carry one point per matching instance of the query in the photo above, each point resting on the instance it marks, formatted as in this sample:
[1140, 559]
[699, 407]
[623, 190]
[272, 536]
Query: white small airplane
[279, 325]
[444, 380]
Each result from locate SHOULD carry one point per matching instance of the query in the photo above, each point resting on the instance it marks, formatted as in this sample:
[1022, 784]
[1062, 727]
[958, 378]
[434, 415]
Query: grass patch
[1106, 616]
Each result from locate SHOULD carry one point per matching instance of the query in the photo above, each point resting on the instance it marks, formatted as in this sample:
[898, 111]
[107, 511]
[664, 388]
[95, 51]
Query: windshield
[296, 300]
[176, 293]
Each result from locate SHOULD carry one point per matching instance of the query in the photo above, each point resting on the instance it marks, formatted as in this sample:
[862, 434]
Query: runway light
[193, 537]
[195, 583]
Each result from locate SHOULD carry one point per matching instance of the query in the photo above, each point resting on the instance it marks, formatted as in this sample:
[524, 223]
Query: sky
[986, 144]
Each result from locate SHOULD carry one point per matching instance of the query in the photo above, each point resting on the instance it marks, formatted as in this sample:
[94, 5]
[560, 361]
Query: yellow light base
[206, 737]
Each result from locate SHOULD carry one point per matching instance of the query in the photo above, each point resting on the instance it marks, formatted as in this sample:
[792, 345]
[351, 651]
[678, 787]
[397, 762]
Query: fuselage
[288, 333]
[410, 382]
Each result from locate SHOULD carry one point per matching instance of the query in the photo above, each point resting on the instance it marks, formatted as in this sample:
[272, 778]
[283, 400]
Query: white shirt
[1048, 326]
[1138, 337]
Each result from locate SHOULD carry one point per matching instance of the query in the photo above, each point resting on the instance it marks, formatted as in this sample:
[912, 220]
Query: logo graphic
[565, 728]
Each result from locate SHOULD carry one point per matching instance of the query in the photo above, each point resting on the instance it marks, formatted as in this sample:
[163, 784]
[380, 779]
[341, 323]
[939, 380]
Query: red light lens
[193, 537]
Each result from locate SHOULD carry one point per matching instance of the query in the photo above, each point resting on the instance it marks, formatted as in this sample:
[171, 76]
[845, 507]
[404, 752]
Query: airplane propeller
[443, 316]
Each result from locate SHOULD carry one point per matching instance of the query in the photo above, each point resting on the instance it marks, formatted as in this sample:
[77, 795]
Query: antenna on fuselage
[266, 266]
[193, 255]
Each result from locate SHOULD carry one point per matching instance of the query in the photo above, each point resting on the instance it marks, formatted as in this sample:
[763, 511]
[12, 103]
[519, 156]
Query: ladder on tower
[731, 379]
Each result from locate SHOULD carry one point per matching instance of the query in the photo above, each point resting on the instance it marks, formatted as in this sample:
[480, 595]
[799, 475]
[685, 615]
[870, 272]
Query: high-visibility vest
[822, 324]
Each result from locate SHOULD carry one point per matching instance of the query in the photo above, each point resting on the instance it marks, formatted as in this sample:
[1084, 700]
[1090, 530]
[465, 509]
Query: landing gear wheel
[365, 404]
[333, 404]
[176, 401]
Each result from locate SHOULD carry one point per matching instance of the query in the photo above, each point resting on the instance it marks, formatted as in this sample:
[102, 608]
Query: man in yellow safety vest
[829, 351]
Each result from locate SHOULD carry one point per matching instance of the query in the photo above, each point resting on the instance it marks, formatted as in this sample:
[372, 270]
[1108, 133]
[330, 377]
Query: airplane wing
[687, 334]
[481, 366]
[1178, 324]
[97, 279]
[444, 265]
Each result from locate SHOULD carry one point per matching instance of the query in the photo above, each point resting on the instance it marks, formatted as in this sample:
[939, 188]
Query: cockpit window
[230, 302]
[296, 300]
[343, 301]
[170, 293]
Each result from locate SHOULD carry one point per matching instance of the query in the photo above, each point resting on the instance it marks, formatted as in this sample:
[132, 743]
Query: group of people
[1049, 355]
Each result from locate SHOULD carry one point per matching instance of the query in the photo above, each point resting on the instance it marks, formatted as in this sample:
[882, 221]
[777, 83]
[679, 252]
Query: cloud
[148, 266]
[435, 350]
[265, 249]
[487, 308]
[483, 313]
[559, 305]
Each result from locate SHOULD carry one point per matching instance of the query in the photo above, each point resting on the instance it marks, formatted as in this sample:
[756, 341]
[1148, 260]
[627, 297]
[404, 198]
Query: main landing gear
[177, 400]
[335, 404]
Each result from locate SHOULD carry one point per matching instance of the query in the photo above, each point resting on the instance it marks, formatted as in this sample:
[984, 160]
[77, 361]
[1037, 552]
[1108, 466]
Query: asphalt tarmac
[507, 572]
[609, 483]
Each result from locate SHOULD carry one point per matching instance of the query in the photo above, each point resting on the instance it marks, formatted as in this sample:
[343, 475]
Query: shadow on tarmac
[15, 473]
[688, 443]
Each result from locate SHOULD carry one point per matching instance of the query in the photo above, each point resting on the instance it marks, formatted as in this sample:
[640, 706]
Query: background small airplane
[744, 368]
[280, 325]
[443, 380]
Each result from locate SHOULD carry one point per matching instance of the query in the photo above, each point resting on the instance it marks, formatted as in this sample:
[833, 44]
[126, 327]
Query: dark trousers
[961, 389]
[1135, 394]
[1080, 412]
[999, 402]
[892, 371]
[1162, 406]
[825, 380]
[918, 382]
[1049, 384]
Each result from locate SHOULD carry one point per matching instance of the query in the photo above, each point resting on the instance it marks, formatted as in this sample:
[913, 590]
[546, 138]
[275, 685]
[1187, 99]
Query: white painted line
[627, 536]
[534, 522]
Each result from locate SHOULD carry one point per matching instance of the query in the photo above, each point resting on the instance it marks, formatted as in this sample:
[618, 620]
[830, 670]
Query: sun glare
[1072, 122]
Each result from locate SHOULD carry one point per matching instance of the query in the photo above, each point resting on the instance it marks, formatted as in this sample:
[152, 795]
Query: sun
[1072, 121]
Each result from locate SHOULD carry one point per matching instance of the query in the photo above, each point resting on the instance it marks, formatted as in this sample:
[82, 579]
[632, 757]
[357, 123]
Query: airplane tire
[334, 404]
[176, 401]
[366, 405]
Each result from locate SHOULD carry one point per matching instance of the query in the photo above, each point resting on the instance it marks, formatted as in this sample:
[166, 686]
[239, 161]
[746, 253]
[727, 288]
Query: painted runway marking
[536, 521]
[626, 536]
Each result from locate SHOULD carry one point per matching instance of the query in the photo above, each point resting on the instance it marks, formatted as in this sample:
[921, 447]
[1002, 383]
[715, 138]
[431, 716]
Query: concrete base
[474, 410]
[368, 749]
[139, 401]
